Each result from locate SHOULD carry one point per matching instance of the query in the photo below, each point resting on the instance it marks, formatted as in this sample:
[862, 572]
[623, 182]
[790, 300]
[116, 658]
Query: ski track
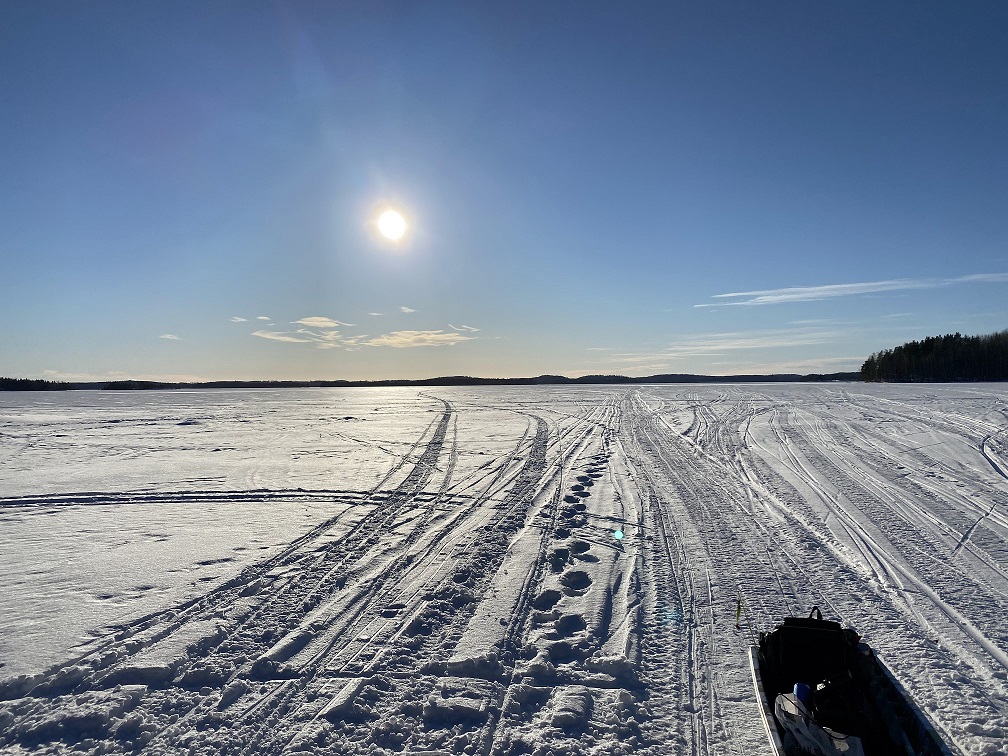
[574, 591]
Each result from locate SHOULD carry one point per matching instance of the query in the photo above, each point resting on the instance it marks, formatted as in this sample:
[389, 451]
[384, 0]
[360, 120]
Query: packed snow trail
[556, 571]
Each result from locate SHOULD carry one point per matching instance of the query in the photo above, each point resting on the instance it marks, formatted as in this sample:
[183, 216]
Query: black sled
[824, 692]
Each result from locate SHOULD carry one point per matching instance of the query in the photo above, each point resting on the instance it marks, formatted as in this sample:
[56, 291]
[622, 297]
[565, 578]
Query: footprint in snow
[576, 581]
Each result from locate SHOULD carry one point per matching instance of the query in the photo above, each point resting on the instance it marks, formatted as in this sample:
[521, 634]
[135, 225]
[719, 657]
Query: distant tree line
[942, 359]
[132, 385]
[26, 384]
[31, 384]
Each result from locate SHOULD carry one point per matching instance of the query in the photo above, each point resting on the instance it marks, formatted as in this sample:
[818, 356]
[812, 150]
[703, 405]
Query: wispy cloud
[731, 364]
[802, 367]
[170, 337]
[406, 309]
[832, 291]
[263, 317]
[980, 278]
[281, 336]
[409, 339]
[376, 314]
[333, 339]
[820, 322]
[237, 319]
[716, 344]
[318, 321]
[463, 328]
[354, 343]
[326, 339]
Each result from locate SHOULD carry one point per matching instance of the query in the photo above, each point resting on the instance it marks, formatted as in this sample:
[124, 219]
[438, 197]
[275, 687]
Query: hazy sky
[188, 190]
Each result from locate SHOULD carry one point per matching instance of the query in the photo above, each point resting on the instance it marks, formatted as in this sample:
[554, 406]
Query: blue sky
[188, 190]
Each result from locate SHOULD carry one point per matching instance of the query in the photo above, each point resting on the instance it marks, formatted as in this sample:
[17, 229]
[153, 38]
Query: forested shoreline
[25, 384]
[32, 384]
[951, 358]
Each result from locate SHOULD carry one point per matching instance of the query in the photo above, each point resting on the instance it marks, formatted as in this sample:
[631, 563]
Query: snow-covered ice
[529, 570]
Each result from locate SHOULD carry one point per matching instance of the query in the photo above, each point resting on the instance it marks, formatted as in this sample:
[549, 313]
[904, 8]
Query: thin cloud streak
[318, 321]
[832, 291]
[410, 339]
[801, 367]
[325, 339]
[717, 344]
[280, 336]
[333, 339]
[170, 337]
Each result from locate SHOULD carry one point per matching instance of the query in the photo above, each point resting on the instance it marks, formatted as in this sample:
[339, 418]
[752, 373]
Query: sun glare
[392, 225]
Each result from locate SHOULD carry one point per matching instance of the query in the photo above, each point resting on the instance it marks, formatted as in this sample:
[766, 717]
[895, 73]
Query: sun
[392, 225]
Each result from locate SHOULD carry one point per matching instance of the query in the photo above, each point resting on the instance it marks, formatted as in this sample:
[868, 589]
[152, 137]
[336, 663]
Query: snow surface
[393, 571]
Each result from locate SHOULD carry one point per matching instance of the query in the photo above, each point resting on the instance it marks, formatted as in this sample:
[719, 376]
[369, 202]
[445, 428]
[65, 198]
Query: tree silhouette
[942, 359]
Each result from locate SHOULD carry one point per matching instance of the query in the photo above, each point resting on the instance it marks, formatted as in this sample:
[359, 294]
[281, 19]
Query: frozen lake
[528, 570]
